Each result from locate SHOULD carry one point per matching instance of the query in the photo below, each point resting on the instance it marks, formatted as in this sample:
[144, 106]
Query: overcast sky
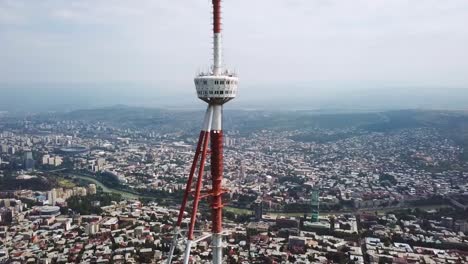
[378, 42]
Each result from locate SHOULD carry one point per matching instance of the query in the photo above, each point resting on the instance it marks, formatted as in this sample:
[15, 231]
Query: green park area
[65, 183]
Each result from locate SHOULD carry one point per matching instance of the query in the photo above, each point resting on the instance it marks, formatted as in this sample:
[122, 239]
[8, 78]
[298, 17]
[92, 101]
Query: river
[124, 194]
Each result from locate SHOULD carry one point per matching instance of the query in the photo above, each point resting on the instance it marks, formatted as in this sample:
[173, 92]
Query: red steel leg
[217, 178]
[190, 178]
[196, 199]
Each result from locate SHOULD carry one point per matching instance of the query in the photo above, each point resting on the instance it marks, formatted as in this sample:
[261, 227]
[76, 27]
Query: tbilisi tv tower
[216, 88]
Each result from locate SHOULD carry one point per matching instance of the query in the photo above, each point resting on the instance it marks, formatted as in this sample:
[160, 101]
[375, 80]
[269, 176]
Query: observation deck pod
[216, 89]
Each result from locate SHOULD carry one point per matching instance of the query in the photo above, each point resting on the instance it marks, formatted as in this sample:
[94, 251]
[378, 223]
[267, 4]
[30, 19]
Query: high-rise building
[242, 172]
[229, 141]
[92, 189]
[28, 155]
[79, 191]
[315, 203]
[6, 216]
[4, 148]
[258, 209]
[52, 196]
[28, 161]
[52, 161]
[92, 228]
[11, 150]
[100, 163]
[45, 159]
[216, 88]
[58, 161]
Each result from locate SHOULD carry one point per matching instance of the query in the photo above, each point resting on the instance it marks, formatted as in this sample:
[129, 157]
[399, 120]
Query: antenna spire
[217, 56]
[216, 16]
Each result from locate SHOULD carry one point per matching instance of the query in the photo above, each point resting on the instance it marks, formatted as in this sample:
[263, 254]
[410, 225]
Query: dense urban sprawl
[384, 197]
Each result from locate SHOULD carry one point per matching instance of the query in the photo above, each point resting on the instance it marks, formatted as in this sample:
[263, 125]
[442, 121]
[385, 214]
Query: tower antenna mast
[215, 88]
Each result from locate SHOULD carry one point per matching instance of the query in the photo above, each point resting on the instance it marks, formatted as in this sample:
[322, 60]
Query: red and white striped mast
[216, 88]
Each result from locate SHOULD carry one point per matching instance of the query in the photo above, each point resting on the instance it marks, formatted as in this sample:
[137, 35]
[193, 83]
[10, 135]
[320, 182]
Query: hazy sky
[353, 54]
[410, 42]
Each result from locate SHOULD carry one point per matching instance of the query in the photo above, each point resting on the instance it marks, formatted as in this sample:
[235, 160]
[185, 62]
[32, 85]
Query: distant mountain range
[452, 124]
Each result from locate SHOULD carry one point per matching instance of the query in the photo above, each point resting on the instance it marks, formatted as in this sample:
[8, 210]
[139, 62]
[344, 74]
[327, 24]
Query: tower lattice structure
[216, 87]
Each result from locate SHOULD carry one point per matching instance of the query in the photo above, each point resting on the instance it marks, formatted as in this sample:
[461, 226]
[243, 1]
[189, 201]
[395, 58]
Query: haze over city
[300, 54]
